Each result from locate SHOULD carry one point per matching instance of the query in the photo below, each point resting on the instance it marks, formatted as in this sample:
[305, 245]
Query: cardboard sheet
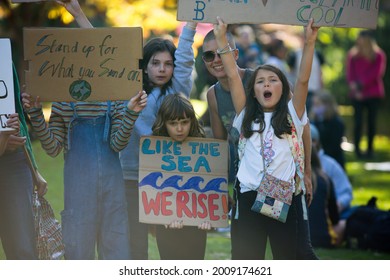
[183, 181]
[334, 13]
[77, 64]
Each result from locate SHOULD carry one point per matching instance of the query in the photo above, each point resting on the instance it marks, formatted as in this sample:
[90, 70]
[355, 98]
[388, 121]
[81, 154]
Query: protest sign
[183, 181]
[334, 13]
[7, 97]
[83, 64]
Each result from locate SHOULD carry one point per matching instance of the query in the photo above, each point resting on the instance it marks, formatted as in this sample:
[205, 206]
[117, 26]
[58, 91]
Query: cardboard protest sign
[78, 64]
[335, 13]
[7, 97]
[183, 181]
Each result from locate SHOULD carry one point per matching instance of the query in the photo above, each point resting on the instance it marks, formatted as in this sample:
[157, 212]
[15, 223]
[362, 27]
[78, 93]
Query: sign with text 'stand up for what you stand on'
[83, 64]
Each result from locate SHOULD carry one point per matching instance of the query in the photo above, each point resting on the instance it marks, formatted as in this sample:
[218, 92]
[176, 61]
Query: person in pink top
[366, 66]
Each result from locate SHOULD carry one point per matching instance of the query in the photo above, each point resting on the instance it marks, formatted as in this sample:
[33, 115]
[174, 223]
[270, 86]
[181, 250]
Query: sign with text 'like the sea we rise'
[184, 181]
[332, 13]
[83, 64]
[7, 98]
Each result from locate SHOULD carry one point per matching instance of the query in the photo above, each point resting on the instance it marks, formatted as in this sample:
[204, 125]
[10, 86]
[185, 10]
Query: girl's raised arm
[301, 85]
[230, 66]
[73, 7]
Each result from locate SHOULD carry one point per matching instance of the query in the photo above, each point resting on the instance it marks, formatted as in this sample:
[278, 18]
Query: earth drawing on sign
[80, 90]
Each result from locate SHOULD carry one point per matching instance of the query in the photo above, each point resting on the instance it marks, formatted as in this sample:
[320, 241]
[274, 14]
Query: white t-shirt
[278, 156]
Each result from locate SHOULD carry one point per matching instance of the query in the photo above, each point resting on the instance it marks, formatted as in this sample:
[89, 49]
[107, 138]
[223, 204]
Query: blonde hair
[366, 45]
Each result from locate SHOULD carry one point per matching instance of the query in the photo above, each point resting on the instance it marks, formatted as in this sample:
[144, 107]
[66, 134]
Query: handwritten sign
[335, 13]
[7, 98]
[183, 181]
[76, 64]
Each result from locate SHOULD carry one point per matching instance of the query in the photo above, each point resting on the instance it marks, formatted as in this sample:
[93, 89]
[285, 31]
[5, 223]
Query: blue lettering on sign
[201, 5]
[172, 158]
[202, 162]
[161, 147]
[182, 164]
[204, 148]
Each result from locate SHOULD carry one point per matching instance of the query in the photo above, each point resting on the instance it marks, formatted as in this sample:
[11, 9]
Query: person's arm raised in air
[184, 60]
[73, 7]
[230, 66]
[302, 82]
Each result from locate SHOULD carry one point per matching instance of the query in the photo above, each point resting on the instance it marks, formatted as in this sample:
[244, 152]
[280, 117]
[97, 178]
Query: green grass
[366, 183]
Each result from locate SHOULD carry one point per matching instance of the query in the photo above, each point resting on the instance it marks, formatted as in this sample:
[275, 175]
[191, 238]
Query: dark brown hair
[153, 46]
[176, 106]
[255, 113]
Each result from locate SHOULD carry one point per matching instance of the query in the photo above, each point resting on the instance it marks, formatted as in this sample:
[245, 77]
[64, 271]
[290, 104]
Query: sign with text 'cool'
[83, 64]
[183, 181]
[333, 13]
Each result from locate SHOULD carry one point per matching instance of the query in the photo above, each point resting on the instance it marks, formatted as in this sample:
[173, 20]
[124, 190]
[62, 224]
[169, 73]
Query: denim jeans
[17, 232]
[95, 209]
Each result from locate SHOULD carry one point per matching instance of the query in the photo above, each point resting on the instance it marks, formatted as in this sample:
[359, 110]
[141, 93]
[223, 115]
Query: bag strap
[298, 153]
[30, 165]
[296, 148]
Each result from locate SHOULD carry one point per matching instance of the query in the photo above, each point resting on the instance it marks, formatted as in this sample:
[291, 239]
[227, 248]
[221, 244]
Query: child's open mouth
[267, 94]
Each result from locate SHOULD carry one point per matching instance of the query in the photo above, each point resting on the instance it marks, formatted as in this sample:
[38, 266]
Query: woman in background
[366, 67]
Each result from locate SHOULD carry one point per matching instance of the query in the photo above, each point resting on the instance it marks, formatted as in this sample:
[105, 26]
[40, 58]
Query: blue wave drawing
[172, 181]
[151, 180]
[215, 184]
[192, 183]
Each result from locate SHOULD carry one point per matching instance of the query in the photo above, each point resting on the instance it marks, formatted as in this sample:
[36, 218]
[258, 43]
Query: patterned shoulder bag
[274, 196]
